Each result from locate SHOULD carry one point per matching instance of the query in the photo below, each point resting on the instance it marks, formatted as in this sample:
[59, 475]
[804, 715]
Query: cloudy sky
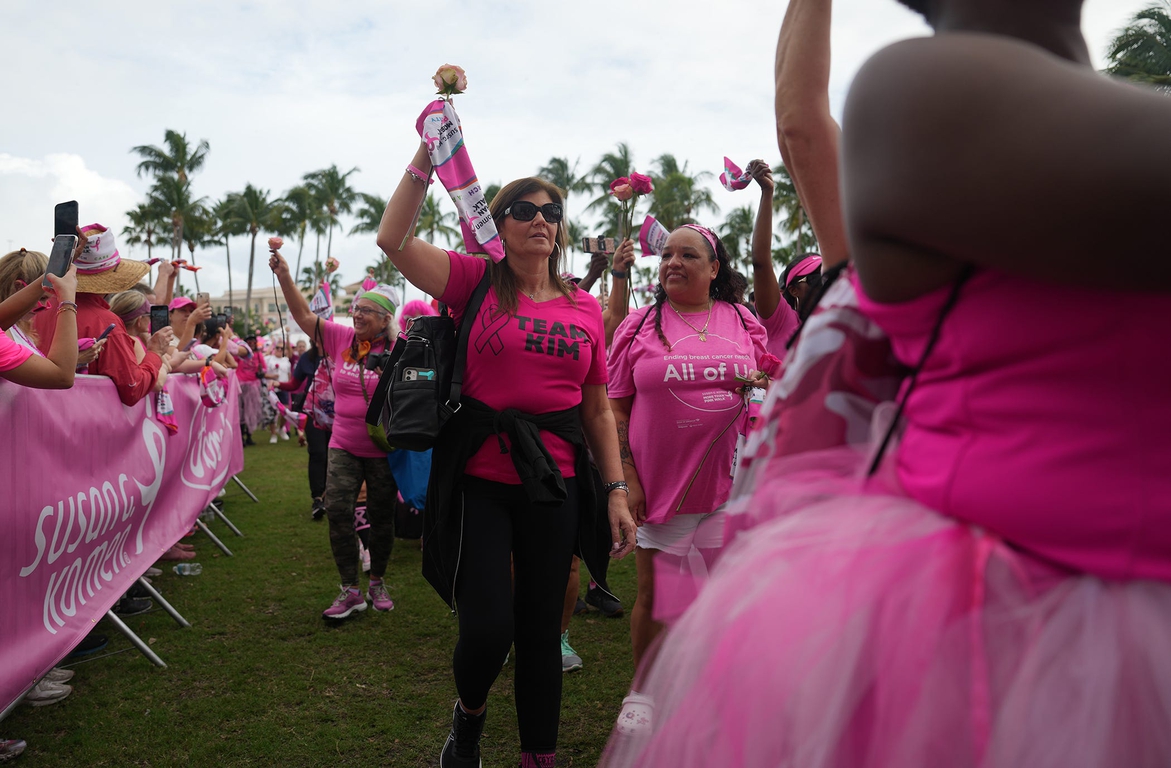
[283, 87]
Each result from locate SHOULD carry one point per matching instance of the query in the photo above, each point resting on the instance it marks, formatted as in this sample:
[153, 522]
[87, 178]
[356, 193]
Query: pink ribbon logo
[493, 322]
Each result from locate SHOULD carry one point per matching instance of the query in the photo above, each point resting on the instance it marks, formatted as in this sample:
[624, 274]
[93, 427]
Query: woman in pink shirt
[510, 475]
[678, 369]
[353, 456]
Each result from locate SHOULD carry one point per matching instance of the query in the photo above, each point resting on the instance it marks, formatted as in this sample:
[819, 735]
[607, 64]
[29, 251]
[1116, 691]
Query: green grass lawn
[260, 680]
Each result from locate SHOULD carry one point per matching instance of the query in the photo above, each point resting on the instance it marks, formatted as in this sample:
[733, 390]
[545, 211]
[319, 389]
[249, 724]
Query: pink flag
[652, 236]
[440, 128]
[733, 178]
[322, 304]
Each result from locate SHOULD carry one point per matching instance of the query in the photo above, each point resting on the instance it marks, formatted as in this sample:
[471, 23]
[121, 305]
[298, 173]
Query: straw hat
[99, 267]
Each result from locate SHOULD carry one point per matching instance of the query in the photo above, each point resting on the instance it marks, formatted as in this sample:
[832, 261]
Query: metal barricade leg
[142, 647]
[154, 593]
[250, 493]
[220, 514]
[203, 527]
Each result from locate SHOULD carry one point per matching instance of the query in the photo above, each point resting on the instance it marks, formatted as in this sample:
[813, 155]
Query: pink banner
[93, 492]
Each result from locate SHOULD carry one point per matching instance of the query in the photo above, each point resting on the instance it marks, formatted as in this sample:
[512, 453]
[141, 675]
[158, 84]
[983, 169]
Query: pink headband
[707, 235]
[806, 266]
[134, 314]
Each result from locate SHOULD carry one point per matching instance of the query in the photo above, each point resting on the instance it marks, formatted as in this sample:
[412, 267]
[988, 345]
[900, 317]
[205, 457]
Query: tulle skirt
[854, 627]
[251, 405]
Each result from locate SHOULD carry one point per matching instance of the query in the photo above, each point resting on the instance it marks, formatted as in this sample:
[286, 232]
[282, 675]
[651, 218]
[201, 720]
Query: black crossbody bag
[421, 384]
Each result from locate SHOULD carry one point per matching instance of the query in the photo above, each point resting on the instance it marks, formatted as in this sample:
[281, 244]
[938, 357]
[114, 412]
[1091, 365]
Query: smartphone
[203, 298]
[160, 318]
[64, 240]
[598, 244]
[221, 320]
[105, 333]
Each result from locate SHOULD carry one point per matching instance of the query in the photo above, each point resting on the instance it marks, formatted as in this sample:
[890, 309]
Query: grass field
[260, 680]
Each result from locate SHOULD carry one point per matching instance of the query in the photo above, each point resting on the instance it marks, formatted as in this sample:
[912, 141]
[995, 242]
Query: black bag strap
[461, 343]
[913, 378]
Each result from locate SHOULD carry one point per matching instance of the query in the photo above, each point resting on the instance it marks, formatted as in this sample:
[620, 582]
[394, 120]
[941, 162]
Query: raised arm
[1014, 159]
[56, 370]
[764, 276]
[298, 306]
[424, 265]
[806, 132]
[619, 305]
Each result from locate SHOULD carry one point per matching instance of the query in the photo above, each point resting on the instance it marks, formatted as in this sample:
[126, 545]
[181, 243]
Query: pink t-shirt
[535, 361]
[685, 398]
[780, 326]
[12, 354]
[349, 424]
[1042, 416]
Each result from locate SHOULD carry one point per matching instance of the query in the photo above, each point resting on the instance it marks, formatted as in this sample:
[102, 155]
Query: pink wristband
[411, 169]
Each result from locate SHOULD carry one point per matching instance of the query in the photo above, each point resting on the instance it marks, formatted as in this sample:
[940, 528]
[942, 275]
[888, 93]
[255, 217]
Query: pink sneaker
[346, 603]
[379, 597]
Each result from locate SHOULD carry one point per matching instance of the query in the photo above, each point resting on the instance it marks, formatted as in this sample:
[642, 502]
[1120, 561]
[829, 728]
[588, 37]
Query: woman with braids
[993, 590]
[678, 370]
[510, 478]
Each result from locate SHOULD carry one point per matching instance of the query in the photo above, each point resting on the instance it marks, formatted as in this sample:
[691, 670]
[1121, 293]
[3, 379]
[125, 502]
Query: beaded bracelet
[419, 175]
[66, 305]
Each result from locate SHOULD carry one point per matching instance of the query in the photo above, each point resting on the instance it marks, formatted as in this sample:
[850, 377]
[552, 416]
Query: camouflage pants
[344, 477]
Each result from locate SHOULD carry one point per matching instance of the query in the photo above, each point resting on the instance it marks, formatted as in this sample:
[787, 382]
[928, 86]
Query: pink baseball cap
[807, 266]
[179, 303]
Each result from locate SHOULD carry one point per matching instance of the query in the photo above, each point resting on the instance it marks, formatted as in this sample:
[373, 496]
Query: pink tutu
[851, 628]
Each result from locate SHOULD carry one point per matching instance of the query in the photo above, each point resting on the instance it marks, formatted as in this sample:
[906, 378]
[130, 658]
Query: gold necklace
[701, 331]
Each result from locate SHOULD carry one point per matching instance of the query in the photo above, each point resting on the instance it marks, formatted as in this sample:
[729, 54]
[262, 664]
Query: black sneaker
[462, 748]
[132, 606]
[91, 644]
[610, 606]
[318, 509]
[579, 607]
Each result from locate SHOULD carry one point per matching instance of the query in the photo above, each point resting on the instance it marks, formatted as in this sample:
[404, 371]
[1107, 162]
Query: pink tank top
[1043, 415]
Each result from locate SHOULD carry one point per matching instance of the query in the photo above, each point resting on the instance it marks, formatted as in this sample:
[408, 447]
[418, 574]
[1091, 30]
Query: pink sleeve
[335, 337]
[781, 324]
[758, 334]
[621, 364]
[12, 355]
[466, 272]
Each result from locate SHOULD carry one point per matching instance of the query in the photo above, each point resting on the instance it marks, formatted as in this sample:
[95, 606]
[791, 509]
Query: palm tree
[433, 222]
[490, 192]
[311, 277]
[384, 271]
[227, 224]
[796, 223]
[737, 231]
[302, 211]
[332, 190]
[679, 195]
[145, 222]
[560, 172]
[369, 214]
[1142, 50]
[177, 159]
[200, 231]
[257, 213]
[612, 166]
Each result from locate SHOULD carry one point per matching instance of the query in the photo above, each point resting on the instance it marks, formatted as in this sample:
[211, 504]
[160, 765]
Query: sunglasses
[523, 210]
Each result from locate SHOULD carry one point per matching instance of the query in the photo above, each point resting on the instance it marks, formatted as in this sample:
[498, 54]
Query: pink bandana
[707, 235]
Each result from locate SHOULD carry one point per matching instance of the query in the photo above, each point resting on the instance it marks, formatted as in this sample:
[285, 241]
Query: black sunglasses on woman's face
[523, 210]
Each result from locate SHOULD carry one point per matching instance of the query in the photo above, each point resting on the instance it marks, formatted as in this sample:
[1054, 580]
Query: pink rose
[641, 184]
[275, 243]
[620, 188]
[331, 265]
[450, 80]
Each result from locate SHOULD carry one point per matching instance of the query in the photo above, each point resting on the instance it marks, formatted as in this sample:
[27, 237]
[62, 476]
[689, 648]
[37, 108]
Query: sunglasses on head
[523, 210]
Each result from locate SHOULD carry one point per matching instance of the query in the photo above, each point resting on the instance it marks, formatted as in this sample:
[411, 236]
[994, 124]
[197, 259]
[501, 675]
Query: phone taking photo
[64, 241]
[203, 298]
[160, 318]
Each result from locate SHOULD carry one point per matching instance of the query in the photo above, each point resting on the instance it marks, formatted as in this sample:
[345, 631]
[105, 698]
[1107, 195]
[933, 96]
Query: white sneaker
[272, 440]
[284, 434]
[59, 675]
[47, 692]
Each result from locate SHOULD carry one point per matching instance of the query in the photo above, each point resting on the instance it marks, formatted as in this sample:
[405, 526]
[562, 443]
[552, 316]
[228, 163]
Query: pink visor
[806, 266]
[179, 303]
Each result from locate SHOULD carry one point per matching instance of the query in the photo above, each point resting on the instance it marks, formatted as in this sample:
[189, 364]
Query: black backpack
[420, 386]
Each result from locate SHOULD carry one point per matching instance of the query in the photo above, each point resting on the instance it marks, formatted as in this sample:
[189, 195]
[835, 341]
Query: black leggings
[499, 521]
